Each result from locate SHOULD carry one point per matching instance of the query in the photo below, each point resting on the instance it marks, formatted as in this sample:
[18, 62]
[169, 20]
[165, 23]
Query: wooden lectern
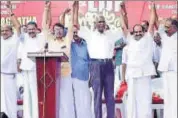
[48, 75]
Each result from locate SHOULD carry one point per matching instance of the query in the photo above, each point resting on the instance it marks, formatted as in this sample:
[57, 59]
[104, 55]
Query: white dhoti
[170, 94]
[8, 95]
[139, 97]
[30, 95]
[74, 99]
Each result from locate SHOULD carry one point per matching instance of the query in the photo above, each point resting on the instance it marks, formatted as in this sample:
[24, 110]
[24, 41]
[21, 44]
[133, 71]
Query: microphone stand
[44, 75]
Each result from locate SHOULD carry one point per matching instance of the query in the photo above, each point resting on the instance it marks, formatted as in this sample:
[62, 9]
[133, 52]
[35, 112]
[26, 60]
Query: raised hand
[152, 3]
[8, 4]
[47, 4]
[9, 7]
[122, 4]
[67, 10]
[76, 4]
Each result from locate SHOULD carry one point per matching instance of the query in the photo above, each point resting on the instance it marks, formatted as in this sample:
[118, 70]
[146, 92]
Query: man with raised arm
[80, 71]
[62, 20]
[138, 68]
[58, 43]
[100, 44]
[168, 65]
[33, 42]
[9, 44]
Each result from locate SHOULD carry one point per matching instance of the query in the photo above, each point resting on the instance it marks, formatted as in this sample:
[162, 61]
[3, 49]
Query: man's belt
[101, 60]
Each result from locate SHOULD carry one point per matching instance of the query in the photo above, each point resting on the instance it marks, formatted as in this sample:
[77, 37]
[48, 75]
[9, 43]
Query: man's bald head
[6, 31]
[100, 23]
[7, 27]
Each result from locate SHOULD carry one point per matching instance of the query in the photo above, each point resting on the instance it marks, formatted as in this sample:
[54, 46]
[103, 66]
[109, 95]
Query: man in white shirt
[33, 42]
[9, 45]
[168, 67]
[156, 52]
[138, 68]
[100, 44]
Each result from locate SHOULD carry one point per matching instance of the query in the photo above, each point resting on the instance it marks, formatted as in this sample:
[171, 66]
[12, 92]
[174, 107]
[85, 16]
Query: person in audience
[156, 52]
[119, 45]
[145, 25]
[24, 29]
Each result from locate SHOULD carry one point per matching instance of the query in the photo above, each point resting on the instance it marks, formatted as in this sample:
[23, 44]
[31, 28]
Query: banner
[137, 10]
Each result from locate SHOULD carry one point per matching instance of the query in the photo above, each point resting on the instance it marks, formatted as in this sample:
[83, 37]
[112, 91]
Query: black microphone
[46, 46]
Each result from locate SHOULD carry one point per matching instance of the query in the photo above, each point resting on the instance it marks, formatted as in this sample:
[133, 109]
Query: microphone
[46, 46]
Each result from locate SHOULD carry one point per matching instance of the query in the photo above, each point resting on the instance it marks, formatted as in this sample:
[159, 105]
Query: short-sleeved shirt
[80, 60]
[100, 45]
[62, 45]
[9, 49]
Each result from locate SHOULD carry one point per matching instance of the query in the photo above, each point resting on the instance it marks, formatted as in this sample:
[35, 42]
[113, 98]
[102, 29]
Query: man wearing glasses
[138, 68]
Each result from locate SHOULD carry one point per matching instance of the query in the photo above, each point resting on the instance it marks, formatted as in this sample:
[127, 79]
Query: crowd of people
[97, 57]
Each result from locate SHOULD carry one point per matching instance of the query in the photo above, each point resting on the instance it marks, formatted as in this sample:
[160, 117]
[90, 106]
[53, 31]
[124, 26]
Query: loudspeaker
[3, 115]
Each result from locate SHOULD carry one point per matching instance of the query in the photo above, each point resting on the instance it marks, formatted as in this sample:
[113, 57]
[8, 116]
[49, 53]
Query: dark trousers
[102, 77]
[3, 115]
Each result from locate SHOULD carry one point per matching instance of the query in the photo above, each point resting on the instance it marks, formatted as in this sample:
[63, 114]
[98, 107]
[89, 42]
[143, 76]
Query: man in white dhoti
[138, 68]
[168, 67]
[32, 42]
[9, 45]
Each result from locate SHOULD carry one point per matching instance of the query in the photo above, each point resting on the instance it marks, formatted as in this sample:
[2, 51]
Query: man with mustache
[9, 44]
[168, 66]
[32, 42]
[138, 68]
[80, 71]
[60, 43]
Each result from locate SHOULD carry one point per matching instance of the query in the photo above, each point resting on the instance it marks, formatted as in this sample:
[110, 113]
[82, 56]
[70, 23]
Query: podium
[48, 77]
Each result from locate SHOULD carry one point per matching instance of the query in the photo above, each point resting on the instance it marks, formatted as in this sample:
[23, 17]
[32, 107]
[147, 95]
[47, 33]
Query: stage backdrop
[137, 10]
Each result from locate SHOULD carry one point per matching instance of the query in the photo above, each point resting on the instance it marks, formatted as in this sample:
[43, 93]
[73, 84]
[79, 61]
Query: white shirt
[168, 60]
[138, 56]
[156, 53]
[29, 44]
[9, 54]
[100, 46]
[124, 55]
